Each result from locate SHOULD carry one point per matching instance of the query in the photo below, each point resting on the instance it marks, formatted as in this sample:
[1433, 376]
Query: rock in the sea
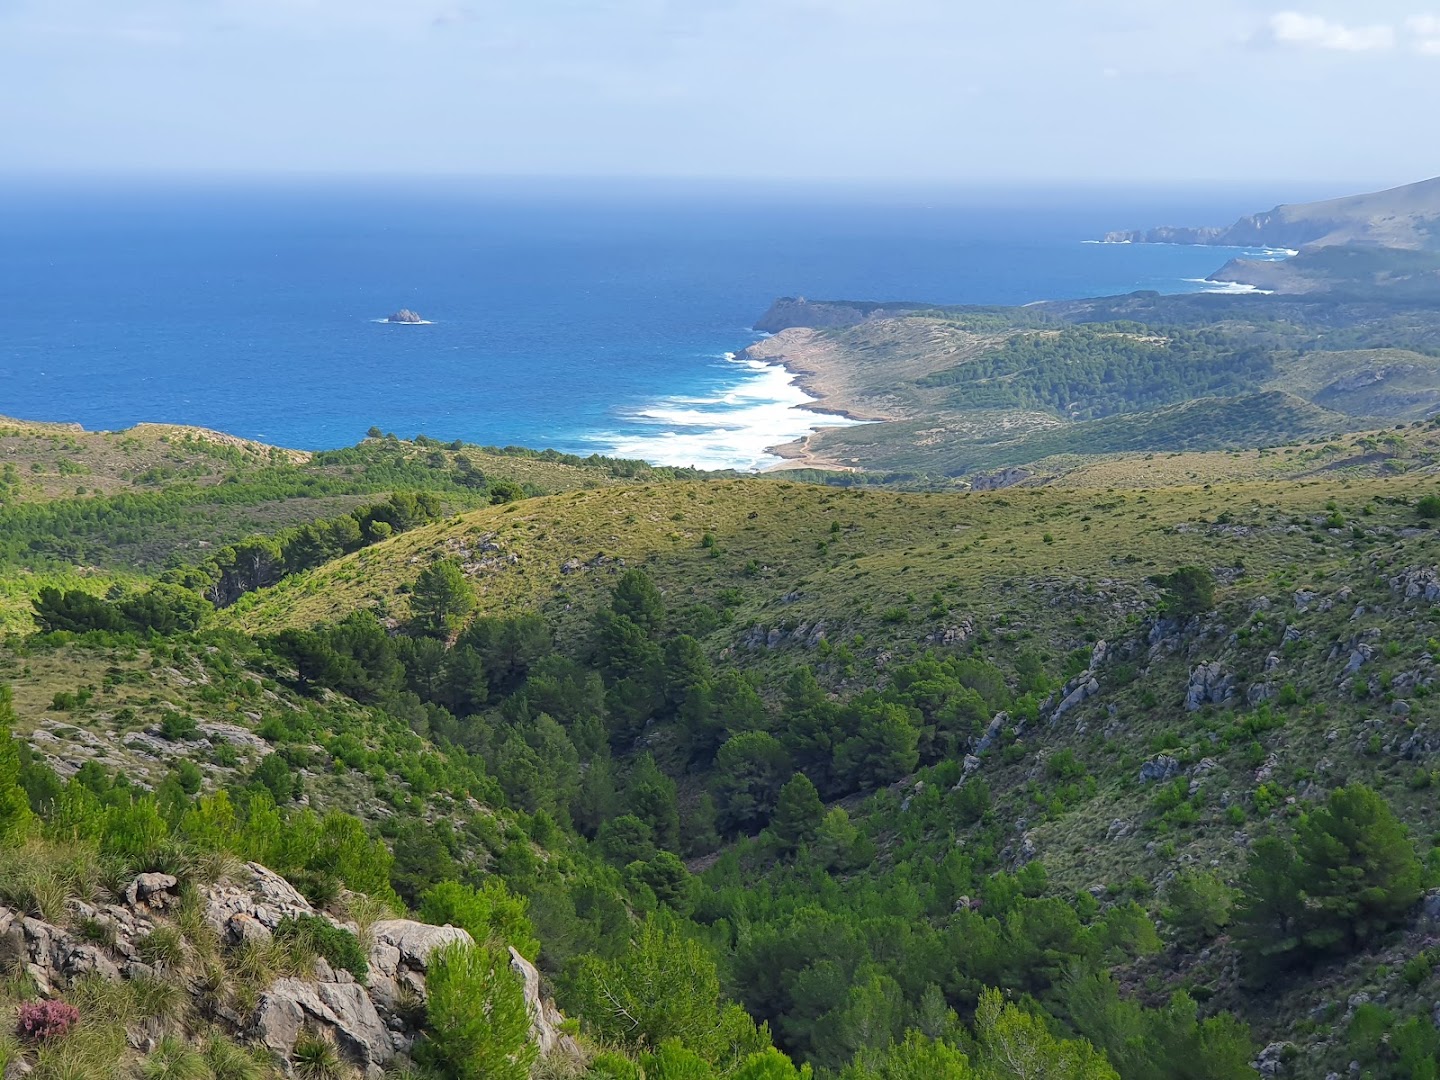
[405, 315]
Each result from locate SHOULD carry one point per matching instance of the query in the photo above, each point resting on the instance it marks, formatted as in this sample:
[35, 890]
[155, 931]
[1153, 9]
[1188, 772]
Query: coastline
[814, 368]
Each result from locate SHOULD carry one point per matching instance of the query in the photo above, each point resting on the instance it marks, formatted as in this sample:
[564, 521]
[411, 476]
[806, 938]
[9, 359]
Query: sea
[590, 317]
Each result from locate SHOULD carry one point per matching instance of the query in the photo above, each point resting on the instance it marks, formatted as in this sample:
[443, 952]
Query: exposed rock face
[344, 1009]
[1209, 685]
[1160, 769]
[371, 1024]
[1002, 478]
[1088, 688]
[1420, 583]
[405, 315]
[545, 1019]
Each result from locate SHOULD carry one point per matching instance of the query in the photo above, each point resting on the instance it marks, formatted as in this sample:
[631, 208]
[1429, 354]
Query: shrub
[163, 947]
[46, 1019]
[337, 945]
[315, 1058]
[478, 1024]
[1428, 506]
[227, 1061]
[1198, 906]
[1188, 590]
[172, 1059]
[178, 727]
[491, 911]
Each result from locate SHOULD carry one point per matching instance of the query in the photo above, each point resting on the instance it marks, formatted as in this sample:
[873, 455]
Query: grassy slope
[987, 554]
[217, 490]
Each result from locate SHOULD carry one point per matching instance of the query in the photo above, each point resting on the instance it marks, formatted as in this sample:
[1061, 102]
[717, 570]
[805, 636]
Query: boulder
[403, 943]
[992, 733]
[259, 894]
[1209, 685]
[343, 1009]
[1359, 656]
[1270, 1062]
[1088, 688]
[154, 891]
[1159, 769]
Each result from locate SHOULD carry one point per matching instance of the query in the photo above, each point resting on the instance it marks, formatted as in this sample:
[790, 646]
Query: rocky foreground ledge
[373, 1025]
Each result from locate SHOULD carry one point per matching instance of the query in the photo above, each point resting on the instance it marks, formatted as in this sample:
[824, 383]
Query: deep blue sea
[586, 317]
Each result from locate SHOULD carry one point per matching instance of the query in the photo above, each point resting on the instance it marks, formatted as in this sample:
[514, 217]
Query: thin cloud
[1299, 30]
[1426, 31]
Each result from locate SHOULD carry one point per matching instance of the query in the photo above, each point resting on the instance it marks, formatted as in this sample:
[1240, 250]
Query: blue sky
[1041, 91]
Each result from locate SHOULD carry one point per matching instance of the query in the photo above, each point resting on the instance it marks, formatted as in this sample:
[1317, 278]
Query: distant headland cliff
[1384, 243]
[1406, 218]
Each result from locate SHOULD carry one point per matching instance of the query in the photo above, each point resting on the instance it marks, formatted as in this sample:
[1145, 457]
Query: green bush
[337, 945]
[477, 1024]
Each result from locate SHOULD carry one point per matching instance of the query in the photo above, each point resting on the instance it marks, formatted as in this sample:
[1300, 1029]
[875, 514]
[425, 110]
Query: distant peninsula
[1404, 218]
[1384, 243]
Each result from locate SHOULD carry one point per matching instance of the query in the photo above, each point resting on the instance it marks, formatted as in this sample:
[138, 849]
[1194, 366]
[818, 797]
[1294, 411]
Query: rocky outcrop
[545, 1019]
[371, 1023]
[805, 635]
[405, 315]
[344, 1009]
[1160, 769]
[1002, 478]
[1418, 583]
[1209, 684]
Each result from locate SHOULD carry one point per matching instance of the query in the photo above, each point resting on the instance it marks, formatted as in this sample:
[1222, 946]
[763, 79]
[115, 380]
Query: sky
[1179, 92]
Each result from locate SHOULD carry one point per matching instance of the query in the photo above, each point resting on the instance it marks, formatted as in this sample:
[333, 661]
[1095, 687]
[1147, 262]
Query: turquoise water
[588, 319]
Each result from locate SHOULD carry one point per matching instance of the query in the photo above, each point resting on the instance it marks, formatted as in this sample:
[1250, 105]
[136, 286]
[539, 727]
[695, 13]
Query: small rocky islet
[405, 315]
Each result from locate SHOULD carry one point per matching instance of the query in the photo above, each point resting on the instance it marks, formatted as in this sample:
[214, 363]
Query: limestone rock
[1418, 583]
[1087, 689]
[345, 1009]
[405, 315]
[155, 891]
[412, 942]
[261, 894]
[1209, 685]
[1159, 770]
[1270, 1062]
[545, 1019]
[992, 733]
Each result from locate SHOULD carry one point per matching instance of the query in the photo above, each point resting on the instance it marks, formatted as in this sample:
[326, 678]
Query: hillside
[916, 744]
[110, 508]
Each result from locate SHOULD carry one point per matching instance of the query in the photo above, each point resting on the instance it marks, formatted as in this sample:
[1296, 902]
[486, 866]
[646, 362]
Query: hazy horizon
[1230, 93]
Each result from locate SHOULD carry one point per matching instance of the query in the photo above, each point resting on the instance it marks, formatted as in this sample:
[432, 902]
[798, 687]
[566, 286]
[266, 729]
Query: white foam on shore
[392, 322]
[1234, 287]
[730, 430]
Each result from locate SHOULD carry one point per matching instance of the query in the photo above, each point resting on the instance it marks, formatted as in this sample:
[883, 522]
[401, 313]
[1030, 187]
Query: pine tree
[798, 813]
[442, 597]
